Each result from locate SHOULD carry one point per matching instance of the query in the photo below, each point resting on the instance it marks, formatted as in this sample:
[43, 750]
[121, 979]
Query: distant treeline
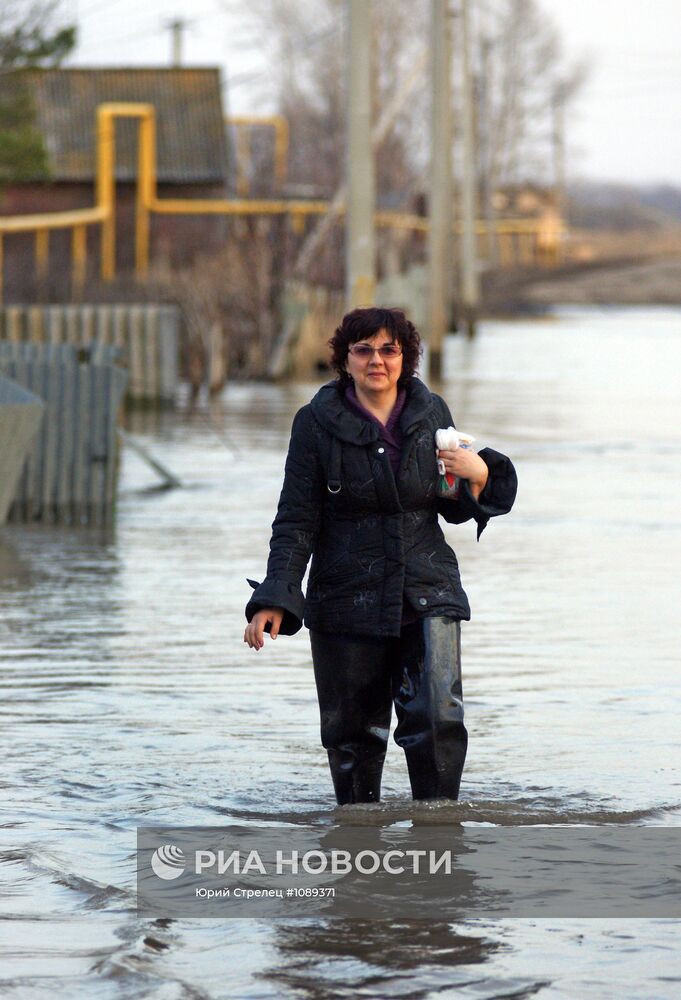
[602, 205]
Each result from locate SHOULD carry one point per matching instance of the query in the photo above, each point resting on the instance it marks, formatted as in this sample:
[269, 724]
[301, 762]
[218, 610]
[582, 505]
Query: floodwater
[129, 698]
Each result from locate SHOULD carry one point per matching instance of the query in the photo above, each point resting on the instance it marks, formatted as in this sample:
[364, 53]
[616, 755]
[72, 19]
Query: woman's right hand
[254, 634]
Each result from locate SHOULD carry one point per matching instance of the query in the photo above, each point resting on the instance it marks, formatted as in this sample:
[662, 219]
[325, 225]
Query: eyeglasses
[364, 352]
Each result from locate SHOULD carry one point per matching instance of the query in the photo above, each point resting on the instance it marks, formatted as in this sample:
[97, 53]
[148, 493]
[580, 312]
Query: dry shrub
[227, 304]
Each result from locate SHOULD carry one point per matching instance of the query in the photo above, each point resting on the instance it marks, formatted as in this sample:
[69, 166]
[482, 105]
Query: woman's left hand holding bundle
[468, 465]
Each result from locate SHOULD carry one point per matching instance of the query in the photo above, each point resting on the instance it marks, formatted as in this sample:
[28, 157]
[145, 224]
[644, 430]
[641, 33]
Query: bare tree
[33, 33]
[225, 300]
[517, 53]
[519, 57]
[303, 43]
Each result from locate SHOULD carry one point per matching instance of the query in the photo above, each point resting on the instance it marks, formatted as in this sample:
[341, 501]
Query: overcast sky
[625, 126]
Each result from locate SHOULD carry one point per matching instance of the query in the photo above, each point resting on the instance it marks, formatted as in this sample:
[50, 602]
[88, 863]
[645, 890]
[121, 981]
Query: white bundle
[449, 439]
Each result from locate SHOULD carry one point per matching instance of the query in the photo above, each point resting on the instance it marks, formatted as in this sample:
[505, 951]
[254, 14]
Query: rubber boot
[355, 703]
[429, 705]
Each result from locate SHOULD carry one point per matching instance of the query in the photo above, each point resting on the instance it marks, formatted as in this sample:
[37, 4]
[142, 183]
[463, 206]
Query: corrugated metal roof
[191, 142]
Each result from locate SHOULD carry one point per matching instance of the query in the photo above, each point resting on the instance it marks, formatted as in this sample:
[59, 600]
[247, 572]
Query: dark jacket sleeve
[496, 498]
[294, 529]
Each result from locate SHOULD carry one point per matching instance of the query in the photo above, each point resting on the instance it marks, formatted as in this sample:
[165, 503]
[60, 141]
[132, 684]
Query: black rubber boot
[354, 692]
[429, 704]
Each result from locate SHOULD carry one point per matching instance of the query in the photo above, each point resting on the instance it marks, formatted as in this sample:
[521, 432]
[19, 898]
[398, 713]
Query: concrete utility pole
[470, 290]
[485, 154]
[321, 229]
[360, 252]
[440, 207]
[176, 28]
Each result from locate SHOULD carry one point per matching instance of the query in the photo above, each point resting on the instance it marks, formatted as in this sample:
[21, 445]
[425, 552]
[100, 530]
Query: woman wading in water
[384, 600]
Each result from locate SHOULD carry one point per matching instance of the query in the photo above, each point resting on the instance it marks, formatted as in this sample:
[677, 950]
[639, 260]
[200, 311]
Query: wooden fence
[146, 336]
[71, 469]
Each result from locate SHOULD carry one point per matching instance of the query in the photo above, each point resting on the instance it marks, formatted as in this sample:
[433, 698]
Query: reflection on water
[382, 958]
[128, 696]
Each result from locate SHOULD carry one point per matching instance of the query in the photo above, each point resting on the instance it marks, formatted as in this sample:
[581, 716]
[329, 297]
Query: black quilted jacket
[373, 538]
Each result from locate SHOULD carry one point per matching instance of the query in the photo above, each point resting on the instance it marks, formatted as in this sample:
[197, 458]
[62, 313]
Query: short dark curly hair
[363, 324]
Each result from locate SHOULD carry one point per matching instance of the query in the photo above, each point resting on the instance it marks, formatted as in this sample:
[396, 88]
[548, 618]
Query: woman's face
[375, 374]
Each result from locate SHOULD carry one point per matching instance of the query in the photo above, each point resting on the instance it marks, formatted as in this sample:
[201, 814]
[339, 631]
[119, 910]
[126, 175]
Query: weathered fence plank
[20, 415]
[147, 335]
[66, 405]
[70, 468]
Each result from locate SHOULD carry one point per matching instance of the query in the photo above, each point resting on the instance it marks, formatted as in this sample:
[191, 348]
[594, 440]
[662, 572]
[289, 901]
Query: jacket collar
[335, 416]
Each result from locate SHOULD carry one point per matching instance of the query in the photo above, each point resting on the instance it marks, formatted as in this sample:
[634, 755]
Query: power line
[108, 5]
[89, 11]
[126, 38]
[144, 33]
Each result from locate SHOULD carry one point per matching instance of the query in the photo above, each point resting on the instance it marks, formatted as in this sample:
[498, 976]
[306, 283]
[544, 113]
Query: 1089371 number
[312, 892]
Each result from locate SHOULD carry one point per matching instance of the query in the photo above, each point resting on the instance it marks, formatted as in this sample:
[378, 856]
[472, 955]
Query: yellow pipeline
[42, 252]
[50, 220]
[237, 206]
[77, 219]
[147, 201]
[106, 182]
[79, 258]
